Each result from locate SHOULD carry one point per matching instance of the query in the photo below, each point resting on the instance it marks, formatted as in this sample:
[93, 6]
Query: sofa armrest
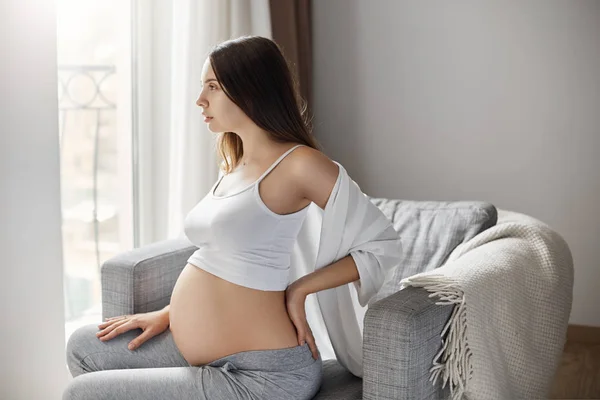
[402, 335]
[142, 279]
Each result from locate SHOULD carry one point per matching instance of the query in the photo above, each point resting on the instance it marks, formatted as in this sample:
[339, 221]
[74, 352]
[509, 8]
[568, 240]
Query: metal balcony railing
[80, 90]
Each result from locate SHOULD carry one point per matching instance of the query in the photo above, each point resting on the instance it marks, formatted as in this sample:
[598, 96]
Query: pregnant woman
[235, 327]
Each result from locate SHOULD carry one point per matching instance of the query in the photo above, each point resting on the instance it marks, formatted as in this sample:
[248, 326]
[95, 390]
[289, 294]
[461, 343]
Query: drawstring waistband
[286, 359]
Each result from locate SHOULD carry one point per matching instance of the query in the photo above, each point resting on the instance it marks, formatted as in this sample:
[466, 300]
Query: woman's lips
[206, 119]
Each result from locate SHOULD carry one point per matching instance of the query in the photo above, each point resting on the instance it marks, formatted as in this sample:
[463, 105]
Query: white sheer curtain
[184, 163]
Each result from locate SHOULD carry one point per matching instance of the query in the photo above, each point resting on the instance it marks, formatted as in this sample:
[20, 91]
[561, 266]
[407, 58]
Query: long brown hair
[256, 76]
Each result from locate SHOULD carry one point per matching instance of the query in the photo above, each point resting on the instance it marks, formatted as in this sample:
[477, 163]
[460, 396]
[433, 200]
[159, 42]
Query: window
[95, 117]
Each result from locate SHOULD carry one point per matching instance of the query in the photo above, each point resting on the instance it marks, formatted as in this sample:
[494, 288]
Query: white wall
[32, 341]
[467, 100]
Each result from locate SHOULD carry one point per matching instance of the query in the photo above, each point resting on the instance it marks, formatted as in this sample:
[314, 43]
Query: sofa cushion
[429, 231]
[338, 383]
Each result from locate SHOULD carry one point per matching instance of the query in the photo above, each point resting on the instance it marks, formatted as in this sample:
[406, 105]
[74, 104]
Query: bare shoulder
[314, 174]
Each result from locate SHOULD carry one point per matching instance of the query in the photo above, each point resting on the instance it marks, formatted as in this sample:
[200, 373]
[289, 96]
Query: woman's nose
[201, 102]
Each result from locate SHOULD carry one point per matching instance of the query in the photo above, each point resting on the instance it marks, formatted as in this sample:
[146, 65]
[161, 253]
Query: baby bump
[211, 318]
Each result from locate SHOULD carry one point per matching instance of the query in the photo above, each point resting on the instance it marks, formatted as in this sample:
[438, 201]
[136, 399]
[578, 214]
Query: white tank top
[241, 240]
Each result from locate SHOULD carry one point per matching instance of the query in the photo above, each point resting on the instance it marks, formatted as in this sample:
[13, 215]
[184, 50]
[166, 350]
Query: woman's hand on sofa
[152, 323]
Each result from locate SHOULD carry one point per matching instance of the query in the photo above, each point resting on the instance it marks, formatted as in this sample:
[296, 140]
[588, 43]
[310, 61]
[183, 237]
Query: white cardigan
[349, 225]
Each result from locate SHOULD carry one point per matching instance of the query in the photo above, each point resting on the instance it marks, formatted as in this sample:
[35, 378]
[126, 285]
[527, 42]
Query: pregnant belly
[211, 318]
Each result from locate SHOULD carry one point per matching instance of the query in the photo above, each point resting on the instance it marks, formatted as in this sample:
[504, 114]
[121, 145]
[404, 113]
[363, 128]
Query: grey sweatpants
[104, 370]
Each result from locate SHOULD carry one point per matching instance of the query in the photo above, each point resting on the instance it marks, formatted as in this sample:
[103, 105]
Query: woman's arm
[333, 275]
[165, 311]
[315, 176]
[338, 273]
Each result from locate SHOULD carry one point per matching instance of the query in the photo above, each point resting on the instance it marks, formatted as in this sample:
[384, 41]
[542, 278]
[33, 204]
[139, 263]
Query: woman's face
[224, 115]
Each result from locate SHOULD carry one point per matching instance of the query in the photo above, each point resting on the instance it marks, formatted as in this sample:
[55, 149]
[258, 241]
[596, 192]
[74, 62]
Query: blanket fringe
[452, 364]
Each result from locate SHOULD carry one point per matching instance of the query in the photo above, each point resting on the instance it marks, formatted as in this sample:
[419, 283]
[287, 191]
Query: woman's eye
[212, 87]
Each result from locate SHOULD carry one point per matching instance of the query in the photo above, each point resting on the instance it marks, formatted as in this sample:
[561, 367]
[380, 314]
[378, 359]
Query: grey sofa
[402, 331]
